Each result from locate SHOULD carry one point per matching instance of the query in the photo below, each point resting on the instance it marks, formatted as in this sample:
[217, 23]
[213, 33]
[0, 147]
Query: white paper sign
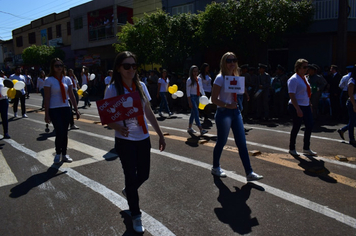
[235, 84]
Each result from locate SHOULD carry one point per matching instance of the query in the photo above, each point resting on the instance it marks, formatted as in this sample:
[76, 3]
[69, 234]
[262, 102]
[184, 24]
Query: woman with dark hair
[227, 117]
[163, 83]
[300, 108]
[194, 88]
[57, 88]
[351, 107]
[206, 81]
[132, 140]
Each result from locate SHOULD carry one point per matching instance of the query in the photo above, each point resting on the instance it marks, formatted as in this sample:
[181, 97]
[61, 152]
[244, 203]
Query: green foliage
[242, 25]
[41, 55]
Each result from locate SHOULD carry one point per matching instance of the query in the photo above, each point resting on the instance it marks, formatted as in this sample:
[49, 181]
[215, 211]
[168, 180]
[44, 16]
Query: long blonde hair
[223, 67]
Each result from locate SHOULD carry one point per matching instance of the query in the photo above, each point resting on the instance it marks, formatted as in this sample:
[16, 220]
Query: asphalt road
[298, 196]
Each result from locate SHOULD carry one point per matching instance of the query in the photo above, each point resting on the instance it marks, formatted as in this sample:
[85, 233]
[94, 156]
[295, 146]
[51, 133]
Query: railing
[329, 9]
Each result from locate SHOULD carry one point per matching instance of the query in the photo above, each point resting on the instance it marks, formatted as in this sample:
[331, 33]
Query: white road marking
[6, 175]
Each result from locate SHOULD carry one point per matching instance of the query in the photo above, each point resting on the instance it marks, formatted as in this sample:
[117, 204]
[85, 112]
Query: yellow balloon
[80, 92]
[15, 81]
[171, 90]
[175, 88]
[201, 106]
[11, 93]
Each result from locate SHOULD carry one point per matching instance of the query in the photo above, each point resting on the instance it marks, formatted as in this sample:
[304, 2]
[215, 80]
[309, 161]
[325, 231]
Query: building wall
[145, 6]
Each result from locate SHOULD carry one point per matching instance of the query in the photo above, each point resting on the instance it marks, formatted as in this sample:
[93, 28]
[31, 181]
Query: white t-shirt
[107, 80]
[19, 78]
[223, 96]
[74, 82]
[56, 94]
[2, 96]
[28, 79]
[352, 81]
[206, 83]
[135, 130]
[192, 90]
[297, 86]
[164, 84]
[344, 82]
[40, 83]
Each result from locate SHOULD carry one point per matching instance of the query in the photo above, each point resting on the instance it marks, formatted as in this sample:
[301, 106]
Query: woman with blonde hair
[229, 116]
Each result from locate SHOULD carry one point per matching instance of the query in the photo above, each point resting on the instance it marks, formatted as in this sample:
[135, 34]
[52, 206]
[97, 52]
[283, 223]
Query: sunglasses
[58, 65]
[234, 60]
[127, 66]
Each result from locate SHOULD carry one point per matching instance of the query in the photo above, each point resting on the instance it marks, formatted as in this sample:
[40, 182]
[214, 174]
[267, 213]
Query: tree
[41, 55]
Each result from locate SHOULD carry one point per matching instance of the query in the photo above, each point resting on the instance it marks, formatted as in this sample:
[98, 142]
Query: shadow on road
[315, 168]
[126, 215]
[234, 209]
[34, 181]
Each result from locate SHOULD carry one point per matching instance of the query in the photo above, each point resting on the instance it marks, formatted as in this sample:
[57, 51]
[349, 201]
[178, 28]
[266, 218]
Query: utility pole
[341, 47]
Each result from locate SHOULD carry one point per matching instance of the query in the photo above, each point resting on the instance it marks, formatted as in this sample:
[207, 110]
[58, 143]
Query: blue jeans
[194, 113]
[60, 118]
[4, 106]
[240, 99]
[135, 160]
[226, 119]
[164, 102]
[297, 123]
[352, 121]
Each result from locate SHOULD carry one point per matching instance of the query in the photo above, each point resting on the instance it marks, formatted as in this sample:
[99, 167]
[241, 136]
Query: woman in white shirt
[4, 107]
[206, 81]
[40, 85]
[132, 140]
[57, 88]
[163, 83]
[194, 88]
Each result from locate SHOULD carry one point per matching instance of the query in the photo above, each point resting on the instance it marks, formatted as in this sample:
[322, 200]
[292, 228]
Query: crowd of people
[304, 95]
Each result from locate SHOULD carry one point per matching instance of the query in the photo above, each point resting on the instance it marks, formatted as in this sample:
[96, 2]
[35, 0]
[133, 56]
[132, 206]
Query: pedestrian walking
[194, 88]
[17, 76]
[300, 107]
[75, 83]
[4, 106]
[207, 86]
[228, 116]
[86, 80]
[57, 89]
[132, 140]
[40, 85]
[351, 107]
[163, 83]
[29, 83]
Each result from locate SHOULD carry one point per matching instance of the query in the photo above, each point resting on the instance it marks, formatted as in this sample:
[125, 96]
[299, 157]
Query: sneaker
[57, 159]
[160, 114]
[24, 116]
[191, 131]
[137, 225]
[294, 153]
[66, 158]
[7, 136]
[341, 133]
[15, 114]
[170, 114]
[203, 131]
[218, 172]
[309, 152]
[253, 176]
[124, 193]
[74, 127]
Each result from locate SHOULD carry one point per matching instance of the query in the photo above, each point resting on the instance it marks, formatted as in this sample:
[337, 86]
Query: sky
[18, 13]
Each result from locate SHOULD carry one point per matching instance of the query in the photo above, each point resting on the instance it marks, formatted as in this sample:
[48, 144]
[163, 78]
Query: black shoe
[341, 133]
[6, 136]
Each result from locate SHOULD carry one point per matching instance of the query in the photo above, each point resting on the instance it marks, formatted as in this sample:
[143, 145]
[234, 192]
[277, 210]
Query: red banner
[118, 108]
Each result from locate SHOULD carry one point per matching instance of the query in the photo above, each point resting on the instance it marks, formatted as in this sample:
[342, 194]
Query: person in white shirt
[132, 139]
[107, 79]
[194, 88]
[40, 85]
[4, 106]
[29, 83]
[344, 94]
[17, 76]
[86, 80]
[57, 88]
[163, 83]
[206, 81]
[75, 83]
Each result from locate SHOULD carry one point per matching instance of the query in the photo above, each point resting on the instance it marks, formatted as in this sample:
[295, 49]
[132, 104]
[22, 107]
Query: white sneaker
[24, 116]
[309, 152]
[294, 153]
[15, 114]
[137, 225]
[203, 131]
[160, 114]
[74, 127]
[191, 131]
[218, 172]
[124, 193]
[66, 158]
[253, 176]
[57, 159]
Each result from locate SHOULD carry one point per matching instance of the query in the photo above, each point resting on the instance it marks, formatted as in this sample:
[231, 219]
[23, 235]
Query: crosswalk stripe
[6, 175]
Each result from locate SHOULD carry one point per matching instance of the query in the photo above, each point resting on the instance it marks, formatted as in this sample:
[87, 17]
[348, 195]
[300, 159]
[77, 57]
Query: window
[78, 23]
[188, 8]
[58, 31]
[69, 31]
[49, 33]
[19, 42]
[122, 18]
[32, 38]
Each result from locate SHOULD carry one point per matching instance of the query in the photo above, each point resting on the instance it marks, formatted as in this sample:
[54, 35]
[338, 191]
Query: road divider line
[7, 177]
